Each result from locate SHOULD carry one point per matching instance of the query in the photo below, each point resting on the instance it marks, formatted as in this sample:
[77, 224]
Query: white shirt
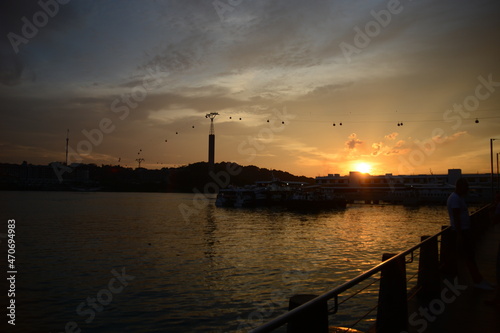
[456, 201]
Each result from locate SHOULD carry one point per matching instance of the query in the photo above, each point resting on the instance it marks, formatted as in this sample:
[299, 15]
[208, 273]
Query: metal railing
[393, 288]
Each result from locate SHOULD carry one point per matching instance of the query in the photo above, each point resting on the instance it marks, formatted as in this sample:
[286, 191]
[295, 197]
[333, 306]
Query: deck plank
[467, 312]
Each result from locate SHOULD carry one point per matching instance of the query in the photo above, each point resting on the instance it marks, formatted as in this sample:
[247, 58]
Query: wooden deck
[462, 307]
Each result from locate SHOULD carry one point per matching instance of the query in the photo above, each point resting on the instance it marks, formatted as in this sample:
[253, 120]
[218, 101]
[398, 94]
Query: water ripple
[219, 271]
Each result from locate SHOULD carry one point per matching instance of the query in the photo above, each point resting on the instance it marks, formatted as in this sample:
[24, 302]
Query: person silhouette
[461, 225]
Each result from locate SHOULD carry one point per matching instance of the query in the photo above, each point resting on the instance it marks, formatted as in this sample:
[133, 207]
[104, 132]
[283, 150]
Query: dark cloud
[13, 39]
[11, 66]
[273, 37]
[58, 17]
[353, 141]
[175, 59]
[30, 114]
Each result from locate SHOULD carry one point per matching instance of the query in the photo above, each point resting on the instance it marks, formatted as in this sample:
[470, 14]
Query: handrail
[286, 317]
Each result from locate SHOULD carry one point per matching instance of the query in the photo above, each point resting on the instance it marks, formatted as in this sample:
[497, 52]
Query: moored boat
[294, 195]
[226, 197]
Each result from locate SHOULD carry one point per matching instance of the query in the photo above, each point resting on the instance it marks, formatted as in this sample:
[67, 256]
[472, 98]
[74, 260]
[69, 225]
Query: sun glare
[363, 167]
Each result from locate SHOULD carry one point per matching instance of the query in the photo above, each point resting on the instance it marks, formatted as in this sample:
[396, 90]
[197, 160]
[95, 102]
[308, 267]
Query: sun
[363, 167]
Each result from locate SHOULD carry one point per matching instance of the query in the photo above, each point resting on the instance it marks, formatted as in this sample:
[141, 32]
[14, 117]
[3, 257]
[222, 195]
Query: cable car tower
[211, 140]
[67, 142]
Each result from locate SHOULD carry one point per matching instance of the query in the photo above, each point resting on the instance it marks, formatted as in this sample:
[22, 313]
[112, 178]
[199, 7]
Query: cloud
[12, 20]
[267, 34]
[304, 154]
[450, 138]
[376, 148]
[11, 67]
[322, 91]
[178, 58]
[170, 116]
[353, 141]
[263, 53]
[380, 148]
[399, 144]
[391, 136]
[389, 148]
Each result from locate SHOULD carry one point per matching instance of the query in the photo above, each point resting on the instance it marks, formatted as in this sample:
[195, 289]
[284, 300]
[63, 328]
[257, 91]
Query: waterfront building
[415, 189]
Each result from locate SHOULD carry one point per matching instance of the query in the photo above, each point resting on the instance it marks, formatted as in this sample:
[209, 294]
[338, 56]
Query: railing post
[429, 280]
[392, 314]
[314, 320]
[448, 257]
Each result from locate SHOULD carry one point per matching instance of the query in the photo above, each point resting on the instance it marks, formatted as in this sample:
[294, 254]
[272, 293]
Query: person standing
[461, 225]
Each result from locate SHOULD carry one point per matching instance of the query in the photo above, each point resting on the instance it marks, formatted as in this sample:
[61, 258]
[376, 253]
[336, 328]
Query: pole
[498, 176]
[314, 319]
[429, 280]
[491, 156]
[67, 140]
[392, 313]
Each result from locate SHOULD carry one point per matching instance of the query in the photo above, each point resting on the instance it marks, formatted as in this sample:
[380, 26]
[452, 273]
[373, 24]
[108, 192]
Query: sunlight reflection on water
[224, 269]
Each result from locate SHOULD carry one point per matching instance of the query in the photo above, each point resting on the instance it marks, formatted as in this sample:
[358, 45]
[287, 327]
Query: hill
[196, 176]
[115, 178]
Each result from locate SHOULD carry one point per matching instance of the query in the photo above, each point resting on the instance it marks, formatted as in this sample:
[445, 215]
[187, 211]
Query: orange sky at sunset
[402, 87]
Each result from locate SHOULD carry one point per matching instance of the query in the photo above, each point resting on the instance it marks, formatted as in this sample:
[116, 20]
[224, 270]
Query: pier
[469, 312]
[421, 289]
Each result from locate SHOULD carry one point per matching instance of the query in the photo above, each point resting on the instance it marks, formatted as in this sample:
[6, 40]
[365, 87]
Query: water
[211, 270]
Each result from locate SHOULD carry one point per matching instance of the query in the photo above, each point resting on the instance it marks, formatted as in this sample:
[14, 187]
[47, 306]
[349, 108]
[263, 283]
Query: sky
[308, 87]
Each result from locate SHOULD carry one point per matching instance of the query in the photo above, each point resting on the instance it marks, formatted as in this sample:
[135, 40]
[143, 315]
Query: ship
[289, 194]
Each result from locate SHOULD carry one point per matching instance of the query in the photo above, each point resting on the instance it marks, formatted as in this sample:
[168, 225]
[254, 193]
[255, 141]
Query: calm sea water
[131, 262]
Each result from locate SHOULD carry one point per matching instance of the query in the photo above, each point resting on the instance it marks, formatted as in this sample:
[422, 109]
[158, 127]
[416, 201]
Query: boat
[226, 197]
[316, 197]
[245, 198]
[293, 195]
